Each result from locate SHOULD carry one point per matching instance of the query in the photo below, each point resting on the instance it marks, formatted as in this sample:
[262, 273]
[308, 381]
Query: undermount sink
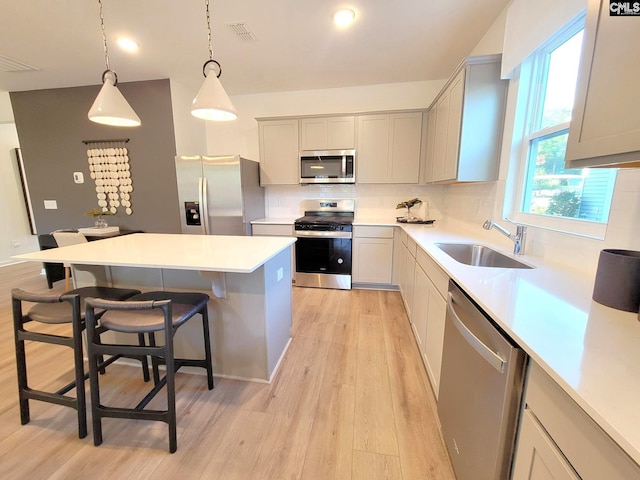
[479, 256]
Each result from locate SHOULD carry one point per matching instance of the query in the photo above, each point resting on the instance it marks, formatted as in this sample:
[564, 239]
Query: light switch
[279, 274]
[50, 205]
[78, 177]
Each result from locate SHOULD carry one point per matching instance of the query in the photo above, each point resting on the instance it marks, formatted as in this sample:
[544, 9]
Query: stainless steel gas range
[323, 249]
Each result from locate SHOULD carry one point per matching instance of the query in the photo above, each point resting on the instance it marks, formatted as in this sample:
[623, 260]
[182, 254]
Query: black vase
[618, 280]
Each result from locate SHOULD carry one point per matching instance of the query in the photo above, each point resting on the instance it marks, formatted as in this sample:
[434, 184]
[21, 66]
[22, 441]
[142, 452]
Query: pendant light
[110, 107]
[212, 102]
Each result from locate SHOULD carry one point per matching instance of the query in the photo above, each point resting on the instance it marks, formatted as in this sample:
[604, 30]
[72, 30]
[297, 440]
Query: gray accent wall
[51, 126]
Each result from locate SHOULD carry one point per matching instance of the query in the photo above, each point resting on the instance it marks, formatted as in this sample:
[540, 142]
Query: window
[574, 200]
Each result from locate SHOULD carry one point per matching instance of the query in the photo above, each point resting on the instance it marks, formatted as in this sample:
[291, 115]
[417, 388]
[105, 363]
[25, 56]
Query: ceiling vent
[10, 65]
[242, 31]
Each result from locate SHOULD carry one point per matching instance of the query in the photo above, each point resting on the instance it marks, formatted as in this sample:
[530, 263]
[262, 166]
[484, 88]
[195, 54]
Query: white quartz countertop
[214, 253]
[592, 351]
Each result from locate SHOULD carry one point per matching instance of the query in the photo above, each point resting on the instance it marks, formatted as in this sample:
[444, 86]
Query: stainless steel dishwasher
[480, 391]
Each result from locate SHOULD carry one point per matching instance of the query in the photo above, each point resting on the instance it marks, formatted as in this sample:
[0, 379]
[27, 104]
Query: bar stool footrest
[113, 412]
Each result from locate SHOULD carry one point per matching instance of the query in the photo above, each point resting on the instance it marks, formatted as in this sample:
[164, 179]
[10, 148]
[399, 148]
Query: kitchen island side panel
[278, 307]
[248, 337]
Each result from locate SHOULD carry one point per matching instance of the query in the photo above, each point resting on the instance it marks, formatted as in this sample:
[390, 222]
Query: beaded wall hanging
[110, 170]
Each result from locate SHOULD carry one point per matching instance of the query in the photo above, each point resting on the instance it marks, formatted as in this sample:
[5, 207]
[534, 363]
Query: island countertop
[213, 253]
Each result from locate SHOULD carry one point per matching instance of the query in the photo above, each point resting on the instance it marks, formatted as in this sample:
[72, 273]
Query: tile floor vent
[10, 65]
[242, 31]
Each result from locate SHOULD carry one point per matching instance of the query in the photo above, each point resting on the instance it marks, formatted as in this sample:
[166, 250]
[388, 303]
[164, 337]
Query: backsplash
[372, 201]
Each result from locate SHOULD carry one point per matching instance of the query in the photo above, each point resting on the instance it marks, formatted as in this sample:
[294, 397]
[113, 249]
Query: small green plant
[408, 203]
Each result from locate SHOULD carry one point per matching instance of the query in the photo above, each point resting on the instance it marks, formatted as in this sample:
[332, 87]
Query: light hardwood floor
[351, 401]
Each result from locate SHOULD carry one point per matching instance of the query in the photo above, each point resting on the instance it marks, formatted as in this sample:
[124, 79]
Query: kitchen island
[248, 279]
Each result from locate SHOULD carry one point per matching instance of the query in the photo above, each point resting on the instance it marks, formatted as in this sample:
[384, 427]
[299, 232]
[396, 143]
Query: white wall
[15, 236]
[190, 132]
[6, 112]
[492, 41]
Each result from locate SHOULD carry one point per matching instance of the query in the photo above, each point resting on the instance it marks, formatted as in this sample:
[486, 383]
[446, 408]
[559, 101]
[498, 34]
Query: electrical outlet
[50, 205]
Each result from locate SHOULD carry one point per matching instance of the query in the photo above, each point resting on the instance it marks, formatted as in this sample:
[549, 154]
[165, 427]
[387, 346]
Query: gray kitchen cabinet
[327, 133]
[427, 172]
[428, 314]
[552, 419]
[388, 147]
[279, 154]
[372, 260]
[407, 285]
[538, 458]
[605, 128]
[468, 120]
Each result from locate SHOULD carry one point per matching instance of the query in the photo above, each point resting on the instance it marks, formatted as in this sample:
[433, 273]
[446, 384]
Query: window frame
[529, 107]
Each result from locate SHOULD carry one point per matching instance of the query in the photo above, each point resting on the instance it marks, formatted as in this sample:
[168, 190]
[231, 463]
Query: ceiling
[296, 46]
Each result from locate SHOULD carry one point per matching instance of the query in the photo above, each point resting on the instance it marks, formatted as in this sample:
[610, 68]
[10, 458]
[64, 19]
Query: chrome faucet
[519, 238]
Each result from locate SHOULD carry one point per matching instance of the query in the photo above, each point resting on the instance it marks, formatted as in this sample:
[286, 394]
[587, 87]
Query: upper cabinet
[388, 147]
[465, 124]
[327, 133]
[279, 155]
[605, 129]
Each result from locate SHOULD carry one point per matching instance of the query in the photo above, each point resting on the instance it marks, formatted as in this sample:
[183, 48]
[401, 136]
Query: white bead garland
[109, 168]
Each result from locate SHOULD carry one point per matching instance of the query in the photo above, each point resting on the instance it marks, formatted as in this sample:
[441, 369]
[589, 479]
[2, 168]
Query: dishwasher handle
[495, 360]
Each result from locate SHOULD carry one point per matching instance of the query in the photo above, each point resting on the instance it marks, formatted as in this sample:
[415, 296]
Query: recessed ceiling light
[344, 17]
[127, 44]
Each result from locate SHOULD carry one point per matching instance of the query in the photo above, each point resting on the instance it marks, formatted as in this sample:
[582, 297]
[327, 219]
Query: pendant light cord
[104, 37]
[209, 30]
[209, 63]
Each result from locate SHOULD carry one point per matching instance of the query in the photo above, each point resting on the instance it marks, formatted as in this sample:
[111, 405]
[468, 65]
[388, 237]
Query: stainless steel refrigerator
[219, 195]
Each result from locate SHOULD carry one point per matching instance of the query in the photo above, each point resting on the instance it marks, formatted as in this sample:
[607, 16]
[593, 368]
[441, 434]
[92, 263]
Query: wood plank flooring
[351, 401]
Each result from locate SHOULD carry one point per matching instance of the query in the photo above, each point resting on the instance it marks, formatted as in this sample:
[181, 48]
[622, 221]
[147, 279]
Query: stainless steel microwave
[327, 166]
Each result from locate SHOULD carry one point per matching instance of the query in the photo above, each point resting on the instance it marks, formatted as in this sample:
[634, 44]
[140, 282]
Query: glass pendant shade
[212, 102]
[111, 108]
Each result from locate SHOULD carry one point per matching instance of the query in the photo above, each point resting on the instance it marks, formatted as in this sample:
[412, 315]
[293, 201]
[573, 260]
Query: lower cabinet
[407, 280]
[277, 230]
[372, 254]
[538, 457]
[428, 314]
[558, 440]
[423, 286]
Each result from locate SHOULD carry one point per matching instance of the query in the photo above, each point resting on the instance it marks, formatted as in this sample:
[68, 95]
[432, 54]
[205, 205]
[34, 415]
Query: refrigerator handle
[203, 195]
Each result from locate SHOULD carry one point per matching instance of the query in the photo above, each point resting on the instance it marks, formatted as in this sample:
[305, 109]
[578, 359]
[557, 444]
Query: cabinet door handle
[495, 360]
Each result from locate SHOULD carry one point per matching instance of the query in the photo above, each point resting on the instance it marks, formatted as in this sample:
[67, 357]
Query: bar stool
[58, 309]
[146, 313]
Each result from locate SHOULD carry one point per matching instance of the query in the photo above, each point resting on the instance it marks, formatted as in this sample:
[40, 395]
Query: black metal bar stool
[58, 309]
[146, 313]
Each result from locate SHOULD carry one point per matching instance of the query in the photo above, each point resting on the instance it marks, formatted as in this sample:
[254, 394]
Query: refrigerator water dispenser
[192, 213]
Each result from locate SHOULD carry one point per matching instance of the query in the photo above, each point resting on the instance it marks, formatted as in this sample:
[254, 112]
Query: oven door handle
[322, 234]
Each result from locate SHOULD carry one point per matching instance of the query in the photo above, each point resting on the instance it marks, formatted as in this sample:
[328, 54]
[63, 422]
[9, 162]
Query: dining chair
[65, 238]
